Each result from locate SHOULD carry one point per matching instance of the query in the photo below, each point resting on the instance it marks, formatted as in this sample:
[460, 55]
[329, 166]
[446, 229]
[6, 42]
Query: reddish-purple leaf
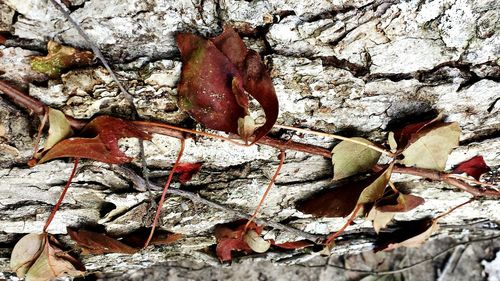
[473, 167]
[216, 79]
[211, 87]
[187, 170]
[98, 141]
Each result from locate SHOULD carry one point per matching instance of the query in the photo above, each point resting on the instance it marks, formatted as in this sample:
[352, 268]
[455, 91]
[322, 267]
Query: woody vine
[218, 78]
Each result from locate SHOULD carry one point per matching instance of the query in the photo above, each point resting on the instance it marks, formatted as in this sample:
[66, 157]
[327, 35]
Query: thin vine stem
[339, 232]
[307, 131]
[492, 186]
[61, 197]
[269, 186]
[453, 209]
[39, 133]
[164, 193]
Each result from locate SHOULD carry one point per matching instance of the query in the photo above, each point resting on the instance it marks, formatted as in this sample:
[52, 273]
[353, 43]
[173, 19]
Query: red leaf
[473, 167]
[294, 245]
[187, 170]
[230, 238]
[211, 87]
[216, 79]
[99, 141]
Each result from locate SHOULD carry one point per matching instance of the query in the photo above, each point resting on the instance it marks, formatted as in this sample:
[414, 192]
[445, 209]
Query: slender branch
[58, 204]
[164, 193]
[271, 183]
[139, 182]
[39, 133]
[374, 147]
[472, 180]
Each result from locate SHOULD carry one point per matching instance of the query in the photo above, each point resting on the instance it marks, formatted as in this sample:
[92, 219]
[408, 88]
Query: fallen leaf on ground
[430, 147]
[98, 141]
[473, 167]
[60, 58]
[351, 158]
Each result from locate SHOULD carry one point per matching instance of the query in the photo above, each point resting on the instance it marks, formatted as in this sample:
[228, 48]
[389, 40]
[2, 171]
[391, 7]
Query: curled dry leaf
[38, 257]
[98, 141]
[60, 58]
[408, 234]
[341, 200]
[351, 158]
[473, 167]
[379, 219]
[217, 76]
[429, 148]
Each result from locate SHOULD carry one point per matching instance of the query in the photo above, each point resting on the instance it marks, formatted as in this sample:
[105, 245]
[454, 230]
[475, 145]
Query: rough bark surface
[357, 68]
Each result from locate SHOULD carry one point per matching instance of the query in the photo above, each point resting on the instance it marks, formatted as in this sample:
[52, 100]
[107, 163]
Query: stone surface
[356, 68]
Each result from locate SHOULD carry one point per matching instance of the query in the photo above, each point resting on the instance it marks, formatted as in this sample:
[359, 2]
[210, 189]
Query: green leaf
[351, 158]
[375, 190]
[431, 146]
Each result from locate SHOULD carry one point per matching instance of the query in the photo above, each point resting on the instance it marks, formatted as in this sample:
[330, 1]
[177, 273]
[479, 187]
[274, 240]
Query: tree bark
[355, 68]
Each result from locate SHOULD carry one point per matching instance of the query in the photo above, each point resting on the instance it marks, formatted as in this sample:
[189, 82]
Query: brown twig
[339, 232]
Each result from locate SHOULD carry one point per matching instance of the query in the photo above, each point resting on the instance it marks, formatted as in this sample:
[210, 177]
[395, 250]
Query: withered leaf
[98, 141]
[351, 158]
[341, 200]
[408, 234]
[294, 244]
[399, 203]
[473, 167]
[216, 79]
[256, 242]
[380, 219]
[60, 58]
[37, 257]
[429, 148]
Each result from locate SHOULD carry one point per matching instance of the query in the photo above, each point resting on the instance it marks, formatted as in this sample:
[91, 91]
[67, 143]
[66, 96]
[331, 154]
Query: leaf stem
[39, 133]
[332, 237]
[164, 193]
[61, 197]
[374, 147]
[273, 179]
[453, 209]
